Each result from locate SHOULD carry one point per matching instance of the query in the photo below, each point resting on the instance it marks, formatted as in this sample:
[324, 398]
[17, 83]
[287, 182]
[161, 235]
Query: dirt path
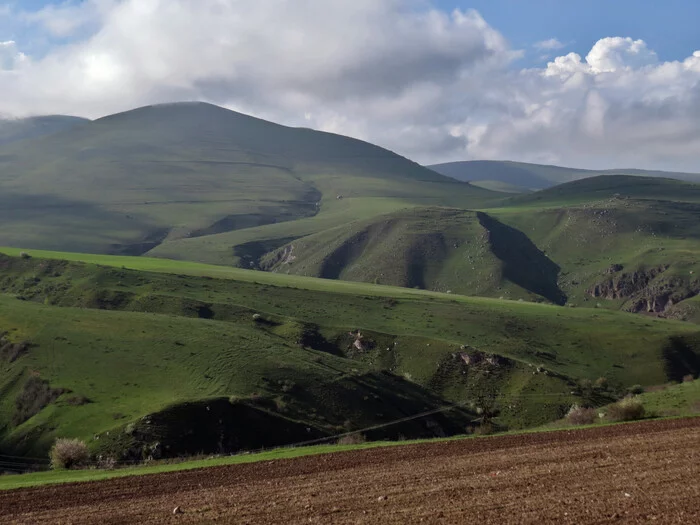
[624, 474]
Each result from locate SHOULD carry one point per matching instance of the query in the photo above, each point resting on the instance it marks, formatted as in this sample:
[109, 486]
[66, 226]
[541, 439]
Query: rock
[645, 291]
[382, 498]
[614, 269]
[178, 510]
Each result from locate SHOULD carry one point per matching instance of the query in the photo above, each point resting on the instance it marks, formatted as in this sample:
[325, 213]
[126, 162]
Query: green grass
[133, 343]
[675, 400]
[180, 173]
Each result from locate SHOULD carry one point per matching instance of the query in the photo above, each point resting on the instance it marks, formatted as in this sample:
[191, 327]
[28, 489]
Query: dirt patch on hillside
[623, 474]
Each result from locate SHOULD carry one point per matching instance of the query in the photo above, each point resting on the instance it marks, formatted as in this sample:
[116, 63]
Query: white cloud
[428, 84]
[10, 57]
[549, 45]
[273, 55]
[613, 54]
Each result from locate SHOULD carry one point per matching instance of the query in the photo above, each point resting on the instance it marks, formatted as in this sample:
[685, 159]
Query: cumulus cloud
[429, 84]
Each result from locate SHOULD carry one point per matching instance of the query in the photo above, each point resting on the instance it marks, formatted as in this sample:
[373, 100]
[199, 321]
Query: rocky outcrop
[645, 290]
[625, 285]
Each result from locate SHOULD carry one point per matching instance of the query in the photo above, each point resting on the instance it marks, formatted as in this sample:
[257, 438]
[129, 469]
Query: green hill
[131, 182]
[526, 176]
[438, 249]
[13, 130]
[127, 359]
[621, 242]
[617, 242]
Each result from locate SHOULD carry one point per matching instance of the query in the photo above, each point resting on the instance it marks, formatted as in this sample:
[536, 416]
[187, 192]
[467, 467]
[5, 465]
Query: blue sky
[670, 27]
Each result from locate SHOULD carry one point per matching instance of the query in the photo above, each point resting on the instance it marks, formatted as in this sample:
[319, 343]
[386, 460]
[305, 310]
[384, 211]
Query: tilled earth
[623, 474]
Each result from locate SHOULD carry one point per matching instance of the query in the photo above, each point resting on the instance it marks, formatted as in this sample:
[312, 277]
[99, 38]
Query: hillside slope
[536, 176]
[129, 182]
[127, 359]
[438, 249]
[621, 242]
[14, 130]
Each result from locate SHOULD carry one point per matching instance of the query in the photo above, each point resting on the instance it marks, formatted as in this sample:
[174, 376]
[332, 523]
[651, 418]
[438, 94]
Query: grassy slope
[553, 245]
[587, 226]
[163, 359]
[21, 129]
[497, 326]
[676, 400]
[435, 248]
[130, 181]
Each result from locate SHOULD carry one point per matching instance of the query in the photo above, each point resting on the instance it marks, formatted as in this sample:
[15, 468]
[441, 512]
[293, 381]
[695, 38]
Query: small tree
[69, 454]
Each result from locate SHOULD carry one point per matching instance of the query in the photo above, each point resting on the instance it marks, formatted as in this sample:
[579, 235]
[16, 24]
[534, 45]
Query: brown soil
[628, 474]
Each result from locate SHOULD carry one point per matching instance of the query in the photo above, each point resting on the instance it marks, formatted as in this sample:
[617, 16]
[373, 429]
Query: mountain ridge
[528, 176]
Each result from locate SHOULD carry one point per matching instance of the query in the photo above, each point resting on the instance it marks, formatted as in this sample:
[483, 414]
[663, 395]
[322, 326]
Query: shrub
[24, 255]
[601, 383]
[77, 400]
[35, 395]
[69, 454]
[352, 439]
[486, 428]
[582, 416]
[629, 409]
[636, 390]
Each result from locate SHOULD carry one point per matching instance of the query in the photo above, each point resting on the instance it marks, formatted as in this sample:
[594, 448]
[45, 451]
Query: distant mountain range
[520, 177]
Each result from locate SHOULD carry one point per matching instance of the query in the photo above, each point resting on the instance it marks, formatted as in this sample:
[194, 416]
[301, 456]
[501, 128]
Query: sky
[594, 84]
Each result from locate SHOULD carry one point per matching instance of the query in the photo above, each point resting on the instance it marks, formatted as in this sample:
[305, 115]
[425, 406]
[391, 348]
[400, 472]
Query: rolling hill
[619, 242]
[520, 176]
[440, 249]
[131, 182]
[142, 363]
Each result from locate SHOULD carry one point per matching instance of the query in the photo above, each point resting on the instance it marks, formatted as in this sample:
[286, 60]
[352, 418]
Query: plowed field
[624, 474]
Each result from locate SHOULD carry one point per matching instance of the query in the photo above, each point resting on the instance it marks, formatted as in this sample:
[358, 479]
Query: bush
[69, 454]
[24, 255]
[636, 390]
[33, 398]
[601, 383]
[582, 416]
[352, 439]
[629, 409]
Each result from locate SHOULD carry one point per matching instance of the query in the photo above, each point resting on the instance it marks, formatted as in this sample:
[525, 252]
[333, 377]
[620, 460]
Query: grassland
[682, 399]
[132, 182]
[166, 347]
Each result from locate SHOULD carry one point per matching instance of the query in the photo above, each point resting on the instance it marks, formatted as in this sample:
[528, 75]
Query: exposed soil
[624, 474]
